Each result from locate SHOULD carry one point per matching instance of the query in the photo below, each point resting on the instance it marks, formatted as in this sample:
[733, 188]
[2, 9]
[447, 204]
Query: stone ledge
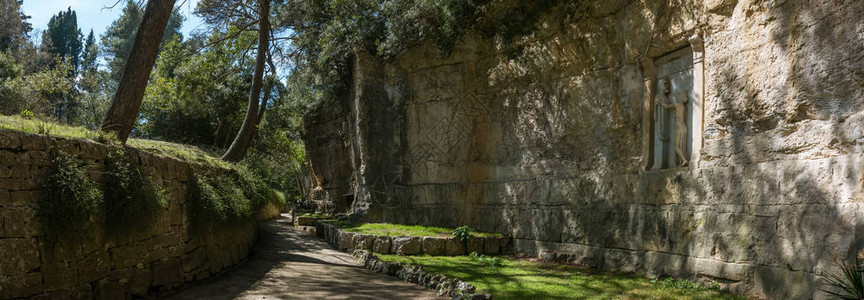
[434, 246]
[454, 288]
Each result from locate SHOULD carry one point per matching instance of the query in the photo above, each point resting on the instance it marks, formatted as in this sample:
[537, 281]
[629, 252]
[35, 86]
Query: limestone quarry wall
[95, 262]
[549, 146]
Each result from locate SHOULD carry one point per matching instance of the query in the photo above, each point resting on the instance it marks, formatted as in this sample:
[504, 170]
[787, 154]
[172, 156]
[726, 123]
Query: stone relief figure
[660, 105]
[674, 107]
[679, 106]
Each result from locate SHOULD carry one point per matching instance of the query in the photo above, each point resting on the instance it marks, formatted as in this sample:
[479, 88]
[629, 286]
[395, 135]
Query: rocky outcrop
[96, 262]
[550, 146]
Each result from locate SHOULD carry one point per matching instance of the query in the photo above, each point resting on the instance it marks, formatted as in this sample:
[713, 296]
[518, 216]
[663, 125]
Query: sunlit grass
[522, 279]
[387, 229]
[183, 152]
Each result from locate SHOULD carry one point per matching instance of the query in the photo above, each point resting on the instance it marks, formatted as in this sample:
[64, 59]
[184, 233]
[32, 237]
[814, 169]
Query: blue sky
[95, 14]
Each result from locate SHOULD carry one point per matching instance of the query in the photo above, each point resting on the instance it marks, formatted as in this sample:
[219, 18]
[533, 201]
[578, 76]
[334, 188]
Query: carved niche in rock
[673, 108]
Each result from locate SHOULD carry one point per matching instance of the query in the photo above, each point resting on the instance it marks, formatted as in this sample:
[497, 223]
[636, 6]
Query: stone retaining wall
[435, 246]
[95, 262]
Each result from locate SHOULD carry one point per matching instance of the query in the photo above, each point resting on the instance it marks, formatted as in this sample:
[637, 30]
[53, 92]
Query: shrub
[486, 260]
[26, 114]
[463, 233]
[226, 196]
[69, 198]
[131, 199]
[849, 283]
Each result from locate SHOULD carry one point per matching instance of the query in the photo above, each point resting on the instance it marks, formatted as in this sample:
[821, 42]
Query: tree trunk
[254, 112]
[127, 101]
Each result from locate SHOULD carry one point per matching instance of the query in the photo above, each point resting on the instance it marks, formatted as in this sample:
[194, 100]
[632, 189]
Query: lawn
[179, 151]
[523, 279]
[387, 229]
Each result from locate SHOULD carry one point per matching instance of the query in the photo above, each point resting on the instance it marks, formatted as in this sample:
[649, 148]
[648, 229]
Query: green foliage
[63, 38]
[9, 67]
[849, 283]
[326, 33]
[48, 92]
[462, 233]
[119, 36]
[26, 114]
[226, 195]
[492, 261]
[14, 28]
[131, 199]
[681, 284]
[197, 99]
[45, 128]
[69, 198]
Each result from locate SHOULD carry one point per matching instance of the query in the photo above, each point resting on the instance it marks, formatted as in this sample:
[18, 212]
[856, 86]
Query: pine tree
[14, 28]
[90, 53]
[130, 90]
[118, 38]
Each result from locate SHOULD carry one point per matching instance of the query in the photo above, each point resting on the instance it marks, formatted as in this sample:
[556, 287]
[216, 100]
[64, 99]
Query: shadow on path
[289, 263]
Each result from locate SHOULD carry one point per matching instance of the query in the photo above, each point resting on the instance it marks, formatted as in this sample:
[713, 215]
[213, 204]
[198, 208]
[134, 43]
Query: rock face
[550, 147]
[95, 263]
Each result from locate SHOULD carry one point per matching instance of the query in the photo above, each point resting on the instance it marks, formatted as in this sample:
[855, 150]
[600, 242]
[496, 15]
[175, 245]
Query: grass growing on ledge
[519, 279]
[316, 216]
[387, 229]
[183, 152]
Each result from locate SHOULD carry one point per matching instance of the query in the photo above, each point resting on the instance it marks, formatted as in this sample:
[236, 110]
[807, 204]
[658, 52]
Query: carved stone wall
[92, 262]
[549, 147]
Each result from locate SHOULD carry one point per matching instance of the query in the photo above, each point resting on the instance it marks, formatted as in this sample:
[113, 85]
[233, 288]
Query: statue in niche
[660, 105]
[678, 105]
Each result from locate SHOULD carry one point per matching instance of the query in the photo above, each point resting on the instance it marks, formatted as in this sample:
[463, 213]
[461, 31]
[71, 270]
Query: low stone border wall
[454, 288]
[435, 246]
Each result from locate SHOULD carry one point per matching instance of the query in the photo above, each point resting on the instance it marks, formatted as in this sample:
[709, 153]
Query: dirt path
[289, 263]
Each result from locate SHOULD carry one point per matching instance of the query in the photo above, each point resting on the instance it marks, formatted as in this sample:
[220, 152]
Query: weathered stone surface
[433, 245]
[407, 245]
[475, 244]
[19, 222]
[492, 245]
[382, 244]
[454, 247]
[526, 147]
[20, 255]
[363, 241]
[21, 285]
[346, 240]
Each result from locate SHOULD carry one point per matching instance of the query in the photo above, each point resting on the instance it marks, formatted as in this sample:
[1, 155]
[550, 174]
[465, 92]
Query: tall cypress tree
[63, 38]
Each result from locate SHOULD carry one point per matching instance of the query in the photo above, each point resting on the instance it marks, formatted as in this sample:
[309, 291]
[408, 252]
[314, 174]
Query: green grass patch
[44, 127]
[316, 216]
[521, 279]
[387, 229]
